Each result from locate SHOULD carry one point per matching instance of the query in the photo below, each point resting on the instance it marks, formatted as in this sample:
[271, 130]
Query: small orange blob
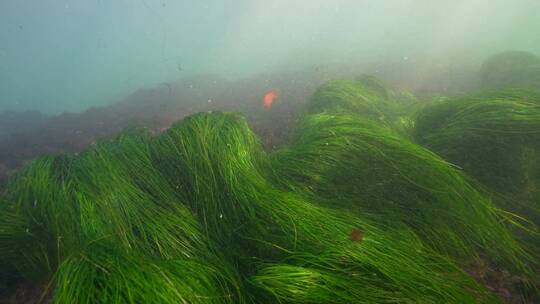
[269, 99]
[356, 235]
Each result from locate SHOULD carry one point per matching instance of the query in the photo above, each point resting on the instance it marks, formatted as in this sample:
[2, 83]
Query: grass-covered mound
[350, 213]
[104, 228]
[368, 97]
[354, 163]
[511, 69]
[495, 137]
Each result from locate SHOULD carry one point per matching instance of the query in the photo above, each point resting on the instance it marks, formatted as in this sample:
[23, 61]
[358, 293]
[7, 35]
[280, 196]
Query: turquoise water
[60, 56]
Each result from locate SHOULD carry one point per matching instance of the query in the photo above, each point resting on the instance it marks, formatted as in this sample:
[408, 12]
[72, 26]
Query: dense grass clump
[366, 97]
[357, 163]
[39, 220]
[511, 69]
[103, 275]
[223, 166]
[495, 137]
[126, 202]
[110, 197]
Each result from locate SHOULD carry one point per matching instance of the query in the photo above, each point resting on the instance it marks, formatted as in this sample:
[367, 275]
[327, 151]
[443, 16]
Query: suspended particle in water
[356, 235]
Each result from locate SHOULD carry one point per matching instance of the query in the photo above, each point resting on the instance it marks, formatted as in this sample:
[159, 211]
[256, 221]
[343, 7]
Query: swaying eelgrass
[123, 200]
[111, 197]
[127, 204]
[320, 284]
[495, 137]
[40, 221]
[365, 97]
[12, 233]
[511, 69]
[356, 163]
[221, 166]
[365, 273]
[104, 275]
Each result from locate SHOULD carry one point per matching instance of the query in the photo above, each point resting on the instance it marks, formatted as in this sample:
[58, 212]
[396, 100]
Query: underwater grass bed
[354, 162]
[351, 212]
[230, 191]
[367, 97]
[110, 197]
[495, 137]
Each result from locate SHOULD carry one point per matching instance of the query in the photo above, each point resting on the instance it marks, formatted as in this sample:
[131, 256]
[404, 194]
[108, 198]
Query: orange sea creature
[356, 235]
[269, 99]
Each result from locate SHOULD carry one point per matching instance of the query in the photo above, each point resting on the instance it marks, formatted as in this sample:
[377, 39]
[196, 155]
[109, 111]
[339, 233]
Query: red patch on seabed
[356, 235]
[269, 99]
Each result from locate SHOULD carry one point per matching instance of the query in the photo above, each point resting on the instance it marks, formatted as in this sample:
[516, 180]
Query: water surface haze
[60, 56]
